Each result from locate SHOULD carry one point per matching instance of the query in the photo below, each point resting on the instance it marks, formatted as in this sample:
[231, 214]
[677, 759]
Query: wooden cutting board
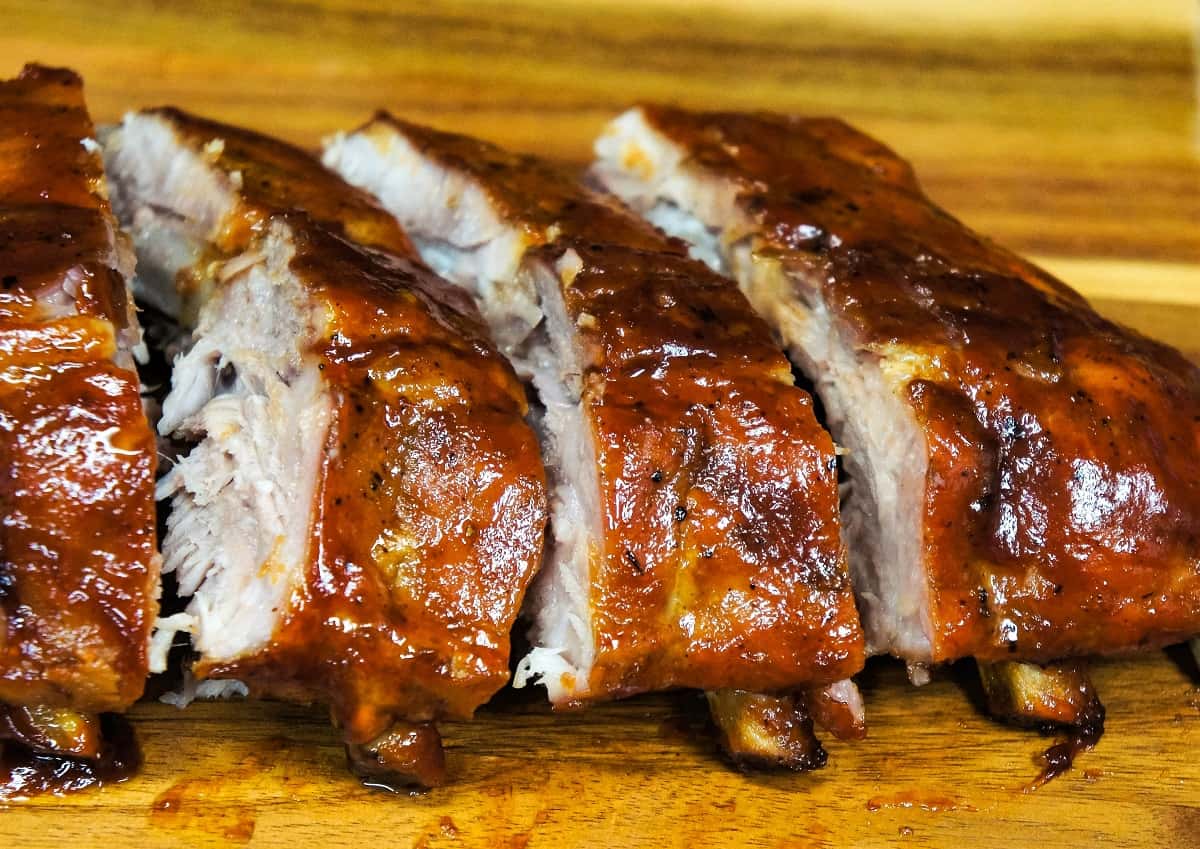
[1066, 130]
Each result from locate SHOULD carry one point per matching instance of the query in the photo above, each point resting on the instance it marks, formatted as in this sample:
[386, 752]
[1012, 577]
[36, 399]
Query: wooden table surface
[1067, 130]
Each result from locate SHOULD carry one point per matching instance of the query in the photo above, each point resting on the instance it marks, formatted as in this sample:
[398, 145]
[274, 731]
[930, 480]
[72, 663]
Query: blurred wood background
[1067, 130]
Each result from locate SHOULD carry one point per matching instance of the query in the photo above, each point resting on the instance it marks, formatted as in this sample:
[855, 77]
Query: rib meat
[694, 509]
[79, 572]
[1024, 476]
[364, 504]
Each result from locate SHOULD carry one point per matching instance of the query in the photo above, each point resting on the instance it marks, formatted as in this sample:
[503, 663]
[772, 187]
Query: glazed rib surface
[364, 505]
[1025, 475]
[695, 530]
[79, 570]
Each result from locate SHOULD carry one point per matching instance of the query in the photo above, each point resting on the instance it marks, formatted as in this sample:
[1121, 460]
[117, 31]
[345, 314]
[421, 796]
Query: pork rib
[364, 504]
[1024, 475]
[694, 510]
[79, 570]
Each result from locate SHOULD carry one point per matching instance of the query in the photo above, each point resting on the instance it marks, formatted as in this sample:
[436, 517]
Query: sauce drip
[187, 805]
[1060, 757]
[25, 773]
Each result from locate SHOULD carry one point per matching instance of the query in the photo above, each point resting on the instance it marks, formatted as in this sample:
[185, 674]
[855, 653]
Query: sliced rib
[364, 504]
[79, 570]
[1024, 475]
[694, 510]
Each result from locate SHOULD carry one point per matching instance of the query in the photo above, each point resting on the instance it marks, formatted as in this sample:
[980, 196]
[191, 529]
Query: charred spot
[851, 206]
[9, 281]
[632, 560]
[707, 553]
[656, 476]
[808, 197]
[376, 481]
[680, 513]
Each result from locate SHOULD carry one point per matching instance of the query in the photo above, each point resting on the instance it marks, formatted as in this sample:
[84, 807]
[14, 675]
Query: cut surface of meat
[695, 536]
[1024, 475]
[364, 504]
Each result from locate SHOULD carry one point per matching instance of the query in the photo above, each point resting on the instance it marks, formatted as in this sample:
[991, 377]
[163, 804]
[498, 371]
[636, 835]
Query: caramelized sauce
[1060, 757]
[721, 562]
[759, 731]
[430, 506]
[407, 756]
[1062, 498]
[78, 560]
[279, 178]
[25, 773]
[187, 806]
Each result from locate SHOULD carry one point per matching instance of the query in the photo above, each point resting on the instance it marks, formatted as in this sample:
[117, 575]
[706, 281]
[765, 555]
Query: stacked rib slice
[1024, 475]
[79, 571]
[363, 503]
[696, 541]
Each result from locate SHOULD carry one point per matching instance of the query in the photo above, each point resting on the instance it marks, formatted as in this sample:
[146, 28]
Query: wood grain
[1066, 130]
[642, 772]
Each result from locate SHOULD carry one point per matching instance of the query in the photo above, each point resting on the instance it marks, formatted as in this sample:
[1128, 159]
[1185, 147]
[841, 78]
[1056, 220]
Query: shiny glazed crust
[721, 563]
[1062, 501]
[431, 496]
[79, 571]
